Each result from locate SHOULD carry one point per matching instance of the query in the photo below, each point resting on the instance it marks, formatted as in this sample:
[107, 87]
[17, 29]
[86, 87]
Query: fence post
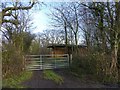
[41, 63]
[55, 62]
[70, 58]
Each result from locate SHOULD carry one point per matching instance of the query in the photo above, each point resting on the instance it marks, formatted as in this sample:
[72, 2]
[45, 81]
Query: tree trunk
[66, 39]
[65, 28]
[114, 68]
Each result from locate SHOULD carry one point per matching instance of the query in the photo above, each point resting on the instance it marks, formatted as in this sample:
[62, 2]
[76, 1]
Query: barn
[56, 49]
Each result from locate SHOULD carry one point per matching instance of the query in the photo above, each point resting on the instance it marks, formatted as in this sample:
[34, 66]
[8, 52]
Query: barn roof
[63, 45]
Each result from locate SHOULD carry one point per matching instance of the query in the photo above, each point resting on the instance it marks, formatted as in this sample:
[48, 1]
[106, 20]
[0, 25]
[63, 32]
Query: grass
[51, 75]
[15, 81]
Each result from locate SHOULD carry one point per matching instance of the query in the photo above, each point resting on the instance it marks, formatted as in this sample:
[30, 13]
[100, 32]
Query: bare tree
[60, 20]
[8, 9]
[107, 18]
[67, 16]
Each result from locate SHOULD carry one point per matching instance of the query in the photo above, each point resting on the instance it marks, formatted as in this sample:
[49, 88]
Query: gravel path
[70, 81]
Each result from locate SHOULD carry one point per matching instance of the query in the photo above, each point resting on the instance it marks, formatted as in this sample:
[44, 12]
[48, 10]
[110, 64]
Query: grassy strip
[51, 75]
[14, 81]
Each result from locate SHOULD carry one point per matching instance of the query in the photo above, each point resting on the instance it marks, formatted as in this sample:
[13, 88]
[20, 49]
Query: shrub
[84, 64]
[95, 64]
[12, 61]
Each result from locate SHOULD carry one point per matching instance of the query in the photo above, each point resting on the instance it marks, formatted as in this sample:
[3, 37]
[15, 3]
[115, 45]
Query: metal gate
[41, 62]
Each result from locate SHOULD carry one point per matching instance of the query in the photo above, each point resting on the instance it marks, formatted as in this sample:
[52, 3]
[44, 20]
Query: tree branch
[18, 8]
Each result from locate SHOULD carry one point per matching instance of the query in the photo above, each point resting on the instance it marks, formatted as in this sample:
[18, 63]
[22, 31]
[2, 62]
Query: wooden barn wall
[59, 51]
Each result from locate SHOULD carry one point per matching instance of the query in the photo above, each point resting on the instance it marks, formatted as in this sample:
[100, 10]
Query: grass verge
[51, 75]
[15, 81]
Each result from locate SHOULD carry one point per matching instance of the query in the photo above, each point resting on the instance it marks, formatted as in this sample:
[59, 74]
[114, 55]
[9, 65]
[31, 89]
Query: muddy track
[70, 81]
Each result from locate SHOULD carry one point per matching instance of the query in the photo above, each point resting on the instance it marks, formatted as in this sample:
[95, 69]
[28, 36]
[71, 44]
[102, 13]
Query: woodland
[97, 23]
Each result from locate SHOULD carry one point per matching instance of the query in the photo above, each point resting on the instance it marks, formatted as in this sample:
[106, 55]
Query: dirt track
[69, 82]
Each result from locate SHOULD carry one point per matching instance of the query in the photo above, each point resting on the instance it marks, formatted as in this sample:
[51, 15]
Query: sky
[41, 18]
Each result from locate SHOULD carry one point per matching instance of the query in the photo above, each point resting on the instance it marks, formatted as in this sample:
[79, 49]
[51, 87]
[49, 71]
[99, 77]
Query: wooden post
[70, 58]
[55, 62]
[41, 63]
